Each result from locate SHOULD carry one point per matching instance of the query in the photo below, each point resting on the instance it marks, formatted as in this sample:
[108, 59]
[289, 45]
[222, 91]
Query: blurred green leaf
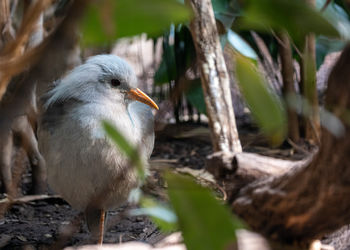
[240, 45]
[106, 20]
[129, 150]
[298, 18]
[324, 46]
[185, 52]
[225, 11]
[161, 76]
[205, 223]
[265, 106]
[195, 95]
[166, 71]
[160, 214]
[337, 16]
[177, 57]
[220, 5]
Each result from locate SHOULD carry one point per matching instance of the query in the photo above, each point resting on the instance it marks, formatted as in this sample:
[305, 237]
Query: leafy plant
[194, 206]
[205, 222]
[266, 107]
[107, 20]
[279, 15]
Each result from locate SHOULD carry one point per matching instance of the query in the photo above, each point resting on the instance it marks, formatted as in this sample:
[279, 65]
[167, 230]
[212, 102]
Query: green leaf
[161, 76]
[324, 46]
[160, 214]
[195, 95]
[205, 223]
[298, 18]
[122, 143]
[225, 11]
[185, 52]
[265, 106]
[106, 20]
[166, 71]
[337, 16]
[240, 45]
[177, 57]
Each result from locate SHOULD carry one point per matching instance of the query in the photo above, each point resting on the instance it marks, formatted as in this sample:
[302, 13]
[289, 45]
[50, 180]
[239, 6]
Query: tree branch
[215, 79]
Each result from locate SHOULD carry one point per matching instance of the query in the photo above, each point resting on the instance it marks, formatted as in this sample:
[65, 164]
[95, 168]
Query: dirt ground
[50, 223]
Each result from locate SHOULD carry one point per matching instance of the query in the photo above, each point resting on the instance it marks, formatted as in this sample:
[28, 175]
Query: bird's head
[103, 78]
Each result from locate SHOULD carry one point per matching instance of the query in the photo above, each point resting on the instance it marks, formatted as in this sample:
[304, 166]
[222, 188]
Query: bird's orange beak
[138, 95]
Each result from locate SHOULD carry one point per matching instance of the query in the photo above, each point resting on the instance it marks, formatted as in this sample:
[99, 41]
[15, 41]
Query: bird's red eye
[115, 82]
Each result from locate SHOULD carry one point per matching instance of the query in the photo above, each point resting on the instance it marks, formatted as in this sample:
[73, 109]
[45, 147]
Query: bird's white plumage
[83, 164]
[81, 83]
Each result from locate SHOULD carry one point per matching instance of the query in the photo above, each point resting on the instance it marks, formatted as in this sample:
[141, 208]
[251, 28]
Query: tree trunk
[214, 77]
[288, 88]
[309, 87]
[307, 202]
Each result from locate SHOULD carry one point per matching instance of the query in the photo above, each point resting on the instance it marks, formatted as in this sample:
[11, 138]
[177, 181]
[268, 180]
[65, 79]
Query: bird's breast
[91, 118]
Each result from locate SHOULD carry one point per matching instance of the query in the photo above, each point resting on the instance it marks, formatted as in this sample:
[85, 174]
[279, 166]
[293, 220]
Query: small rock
[22, 238]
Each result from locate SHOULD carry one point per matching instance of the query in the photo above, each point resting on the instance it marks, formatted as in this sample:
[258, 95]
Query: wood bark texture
[272, 70]
[307, 202]
[285, 52]
[214, 78]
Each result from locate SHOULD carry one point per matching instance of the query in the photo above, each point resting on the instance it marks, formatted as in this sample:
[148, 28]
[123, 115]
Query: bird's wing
[56, 112]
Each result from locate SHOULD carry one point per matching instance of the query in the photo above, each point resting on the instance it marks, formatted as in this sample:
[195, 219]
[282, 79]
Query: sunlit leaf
[240, 45]
[298, 18]
[106, 20]
[122, 143]
[160, 214]
[205, 223]
[265, 106]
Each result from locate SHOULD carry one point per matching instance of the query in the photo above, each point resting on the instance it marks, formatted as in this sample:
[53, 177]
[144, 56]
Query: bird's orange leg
[102, 227]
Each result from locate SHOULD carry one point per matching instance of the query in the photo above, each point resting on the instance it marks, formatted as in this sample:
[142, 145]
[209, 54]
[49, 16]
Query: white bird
[84, 166]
